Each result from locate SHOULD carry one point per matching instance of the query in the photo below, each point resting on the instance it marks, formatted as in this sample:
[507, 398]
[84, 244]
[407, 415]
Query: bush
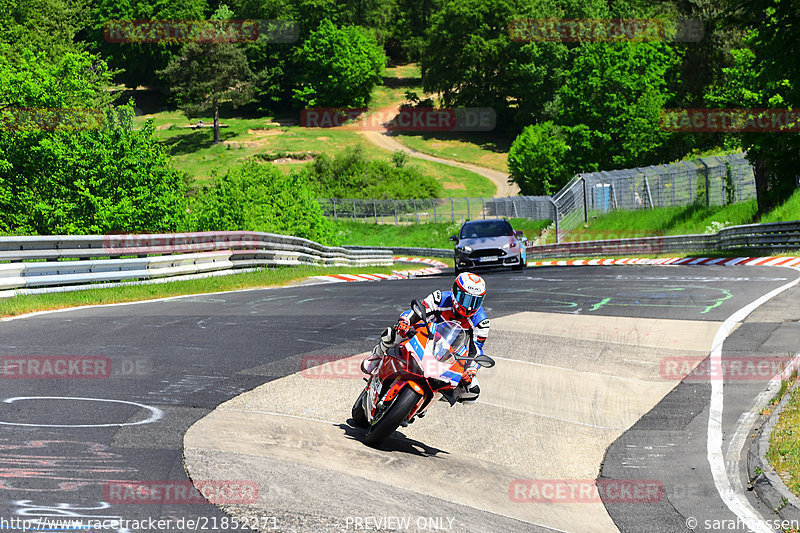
[537, 160]
[109, 180]
[256, 197]
[352, 175]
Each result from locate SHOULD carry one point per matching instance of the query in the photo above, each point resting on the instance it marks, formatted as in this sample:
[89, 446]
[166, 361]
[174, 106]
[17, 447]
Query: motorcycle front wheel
[390, 419]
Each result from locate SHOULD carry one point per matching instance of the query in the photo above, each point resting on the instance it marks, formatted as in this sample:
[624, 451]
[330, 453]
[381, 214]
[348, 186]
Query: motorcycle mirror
[419, 309]
[485, 360]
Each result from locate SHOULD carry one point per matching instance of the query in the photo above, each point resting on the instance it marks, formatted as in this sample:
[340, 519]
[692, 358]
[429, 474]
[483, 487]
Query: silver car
[488, 243]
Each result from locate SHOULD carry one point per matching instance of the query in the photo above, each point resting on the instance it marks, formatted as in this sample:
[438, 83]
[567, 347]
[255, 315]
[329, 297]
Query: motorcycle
[425, 366]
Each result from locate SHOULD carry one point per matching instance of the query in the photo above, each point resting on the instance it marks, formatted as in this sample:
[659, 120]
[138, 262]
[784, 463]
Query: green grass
[474, 148]
[272, 277]
[427, 235]
[684, 220]
[789, 210]
[784, 446]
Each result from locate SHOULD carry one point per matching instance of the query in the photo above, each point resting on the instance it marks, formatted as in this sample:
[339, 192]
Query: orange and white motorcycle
[424, 367]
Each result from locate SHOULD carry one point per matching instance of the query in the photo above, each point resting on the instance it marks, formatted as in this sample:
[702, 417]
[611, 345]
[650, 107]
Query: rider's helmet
[468, 292]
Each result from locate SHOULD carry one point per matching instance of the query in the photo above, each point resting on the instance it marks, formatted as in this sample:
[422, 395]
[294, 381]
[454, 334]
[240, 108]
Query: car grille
[487, 252]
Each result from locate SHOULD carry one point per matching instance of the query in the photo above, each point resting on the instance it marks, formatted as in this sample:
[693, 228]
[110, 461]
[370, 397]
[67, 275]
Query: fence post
[555, 217]
[354, 209]
[416, 216]
[649, 194]
[708, 189]
[468, 216]
[483, 208]
[375, 211]
[452, 211]
[396, 223]
[585, 201]
[434, 210]
[334, 209]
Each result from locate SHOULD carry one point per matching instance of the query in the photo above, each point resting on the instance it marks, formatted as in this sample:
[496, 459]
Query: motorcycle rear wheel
[390, 419]
[359, 416]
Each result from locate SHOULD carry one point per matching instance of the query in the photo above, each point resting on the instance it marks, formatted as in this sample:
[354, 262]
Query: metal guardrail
[51, 260]
[417, 252]
[774, 237]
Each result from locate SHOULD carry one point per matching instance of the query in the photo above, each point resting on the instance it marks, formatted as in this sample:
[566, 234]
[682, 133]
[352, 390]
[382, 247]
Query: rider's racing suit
[440, 305]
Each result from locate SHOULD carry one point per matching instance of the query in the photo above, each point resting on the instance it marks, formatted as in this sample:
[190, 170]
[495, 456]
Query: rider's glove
[402, 327]
[466, 377]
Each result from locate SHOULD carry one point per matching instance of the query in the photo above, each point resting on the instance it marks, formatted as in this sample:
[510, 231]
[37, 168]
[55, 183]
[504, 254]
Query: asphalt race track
[580, 383]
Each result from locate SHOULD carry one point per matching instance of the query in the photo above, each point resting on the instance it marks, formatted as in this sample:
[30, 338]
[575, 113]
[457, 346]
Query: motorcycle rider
[462, 304]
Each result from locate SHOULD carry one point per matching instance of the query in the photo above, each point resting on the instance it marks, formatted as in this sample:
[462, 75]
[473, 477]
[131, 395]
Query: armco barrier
[418, 252]
[772, 237]
[51, 260]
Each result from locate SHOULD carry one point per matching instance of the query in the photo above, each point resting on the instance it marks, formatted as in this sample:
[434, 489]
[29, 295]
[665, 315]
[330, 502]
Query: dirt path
[384, 140]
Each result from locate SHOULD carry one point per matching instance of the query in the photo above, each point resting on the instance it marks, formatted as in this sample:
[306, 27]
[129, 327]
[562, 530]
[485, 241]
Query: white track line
[733, 498]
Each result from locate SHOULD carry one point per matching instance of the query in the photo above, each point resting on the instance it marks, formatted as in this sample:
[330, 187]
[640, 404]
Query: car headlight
[465, 248]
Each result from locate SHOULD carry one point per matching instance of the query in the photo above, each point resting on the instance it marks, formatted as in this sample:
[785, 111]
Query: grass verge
[426, 235]
[784, 446]
[268, 277]
[474, 148]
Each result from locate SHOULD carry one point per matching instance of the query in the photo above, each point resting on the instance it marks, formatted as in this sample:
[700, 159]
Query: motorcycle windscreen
[448, 338]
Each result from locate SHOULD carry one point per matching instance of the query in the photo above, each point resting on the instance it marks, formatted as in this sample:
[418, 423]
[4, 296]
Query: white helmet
[468, 292]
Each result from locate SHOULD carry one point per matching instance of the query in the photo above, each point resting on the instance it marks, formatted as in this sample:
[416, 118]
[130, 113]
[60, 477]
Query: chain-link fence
[425, 210]
[709, 180]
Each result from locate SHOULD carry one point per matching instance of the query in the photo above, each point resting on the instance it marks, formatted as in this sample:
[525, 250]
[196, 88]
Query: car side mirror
[454, 238]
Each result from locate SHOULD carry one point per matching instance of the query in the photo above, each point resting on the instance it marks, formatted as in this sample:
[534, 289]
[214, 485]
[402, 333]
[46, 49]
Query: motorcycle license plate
[489, 258]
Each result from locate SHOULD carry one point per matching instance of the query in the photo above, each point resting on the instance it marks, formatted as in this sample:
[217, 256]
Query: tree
[259, 197]
[611, 103]
[205, 75]
[338, 67]
[138, 63]
[77, 165]
[765, 76]
[538, 160]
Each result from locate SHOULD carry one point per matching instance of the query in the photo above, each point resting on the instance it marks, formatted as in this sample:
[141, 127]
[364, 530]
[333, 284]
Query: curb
[783, 261]
[768, 485]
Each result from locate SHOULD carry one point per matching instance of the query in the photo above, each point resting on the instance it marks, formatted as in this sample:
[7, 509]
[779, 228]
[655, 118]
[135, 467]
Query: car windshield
[448, 338]
[487, 228]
